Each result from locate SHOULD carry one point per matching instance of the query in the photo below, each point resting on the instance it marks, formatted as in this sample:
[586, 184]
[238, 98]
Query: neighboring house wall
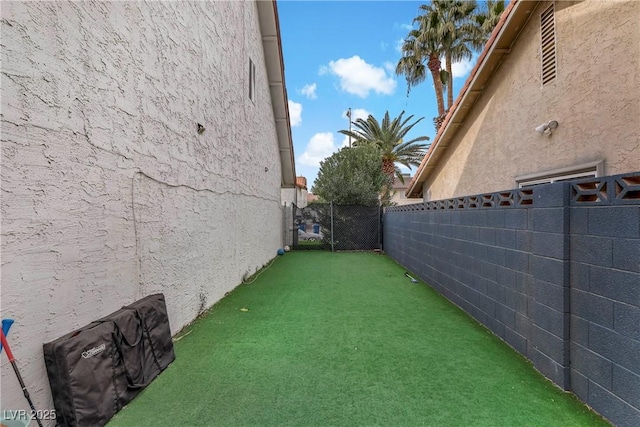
[109, 193]
[594, 98]
[297, 196]
[553, 270]
[289, 196]
[398, 196]
[399, 199]
[302, 197]
[301, 189]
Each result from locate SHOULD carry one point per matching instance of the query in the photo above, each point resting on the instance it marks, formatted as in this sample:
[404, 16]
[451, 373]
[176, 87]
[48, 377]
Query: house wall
[109, 193]
[399, 189]
[398, 197]
[594, 98]
[553, 270]
[289, 196]
[296, 196]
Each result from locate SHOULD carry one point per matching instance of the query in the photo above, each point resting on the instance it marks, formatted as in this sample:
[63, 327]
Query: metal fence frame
[342, 227]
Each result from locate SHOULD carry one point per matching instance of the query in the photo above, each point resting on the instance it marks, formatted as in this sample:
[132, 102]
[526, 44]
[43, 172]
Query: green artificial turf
[346, 339]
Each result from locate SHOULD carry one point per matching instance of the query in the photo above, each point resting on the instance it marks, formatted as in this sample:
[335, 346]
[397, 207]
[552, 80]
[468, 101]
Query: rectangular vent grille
[548, 45]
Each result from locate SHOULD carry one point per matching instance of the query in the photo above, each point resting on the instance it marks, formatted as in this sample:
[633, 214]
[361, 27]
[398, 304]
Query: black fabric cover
[96, 370]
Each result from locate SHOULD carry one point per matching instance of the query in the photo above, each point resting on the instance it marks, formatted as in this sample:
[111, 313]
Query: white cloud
[390, 67]
[406, 27]
[320, 146]
[399, 44]
[310, 91]
[460, 69]
[359, 78]
[295, 113]
[345, 141]
[357, 113]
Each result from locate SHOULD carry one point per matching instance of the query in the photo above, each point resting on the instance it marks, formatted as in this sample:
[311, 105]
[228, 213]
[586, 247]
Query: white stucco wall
[595, 98]
[399, 189]
[109, 193]
[289, 196]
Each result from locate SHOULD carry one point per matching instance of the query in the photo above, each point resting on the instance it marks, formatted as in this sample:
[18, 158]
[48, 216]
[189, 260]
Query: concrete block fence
[553, 270]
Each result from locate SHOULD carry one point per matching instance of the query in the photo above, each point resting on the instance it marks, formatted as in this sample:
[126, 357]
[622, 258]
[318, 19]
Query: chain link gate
[325, 226]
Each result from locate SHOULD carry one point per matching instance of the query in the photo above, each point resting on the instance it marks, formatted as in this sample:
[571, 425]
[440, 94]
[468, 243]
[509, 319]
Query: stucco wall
[595, 98]
[400, 199]
[288, 196]
[399, 189]
[109, 193]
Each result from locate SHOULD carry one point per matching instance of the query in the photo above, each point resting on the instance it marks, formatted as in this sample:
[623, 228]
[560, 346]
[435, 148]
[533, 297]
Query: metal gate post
[331, 214]
[292, 223]
[284, 224]
[380, 210]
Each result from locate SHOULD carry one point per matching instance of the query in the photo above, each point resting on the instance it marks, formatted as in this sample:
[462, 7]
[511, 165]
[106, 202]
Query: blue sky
[340, 55]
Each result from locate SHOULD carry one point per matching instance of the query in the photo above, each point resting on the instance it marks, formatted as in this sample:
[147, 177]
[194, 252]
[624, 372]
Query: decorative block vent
[487, 201]
[548, 45]
[505, 199]
[628, 188]
[592, 191]
[406, 208]
[610, 190]
[524, 197]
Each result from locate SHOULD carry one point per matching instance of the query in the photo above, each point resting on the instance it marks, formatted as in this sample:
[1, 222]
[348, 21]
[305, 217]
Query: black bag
[96, 370]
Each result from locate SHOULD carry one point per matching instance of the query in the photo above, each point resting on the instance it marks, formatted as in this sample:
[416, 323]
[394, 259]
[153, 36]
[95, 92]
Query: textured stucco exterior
[296, 196]
[595, 98]
[398, 197]
[109, 192]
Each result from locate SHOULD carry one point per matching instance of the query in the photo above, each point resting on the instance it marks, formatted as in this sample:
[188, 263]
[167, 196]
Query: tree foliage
[351, 176]
[487, 17]
[418, 55]
[449, 24]
[388, 138]
[449, 29]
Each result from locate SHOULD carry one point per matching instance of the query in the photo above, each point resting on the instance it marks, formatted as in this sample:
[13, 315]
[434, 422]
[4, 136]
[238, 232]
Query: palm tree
[449, 25]
[388, 137]
[449, 28]
[412, 64]
[487, 18]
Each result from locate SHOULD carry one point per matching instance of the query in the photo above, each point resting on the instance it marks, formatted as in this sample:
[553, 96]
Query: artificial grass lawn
[346, 339]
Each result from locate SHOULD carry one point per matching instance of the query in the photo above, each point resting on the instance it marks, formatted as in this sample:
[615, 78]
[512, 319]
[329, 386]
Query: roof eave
[271, 42]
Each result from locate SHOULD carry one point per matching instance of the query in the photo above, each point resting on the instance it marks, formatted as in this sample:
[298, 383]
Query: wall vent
[548, 45]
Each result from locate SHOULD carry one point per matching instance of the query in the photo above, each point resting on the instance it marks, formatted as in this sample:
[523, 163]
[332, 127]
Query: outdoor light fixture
[547, 128]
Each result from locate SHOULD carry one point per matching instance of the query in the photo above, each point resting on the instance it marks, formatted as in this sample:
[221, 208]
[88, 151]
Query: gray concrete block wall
[605, 309]
[550, 270]
[555, 274]
[477, 258]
